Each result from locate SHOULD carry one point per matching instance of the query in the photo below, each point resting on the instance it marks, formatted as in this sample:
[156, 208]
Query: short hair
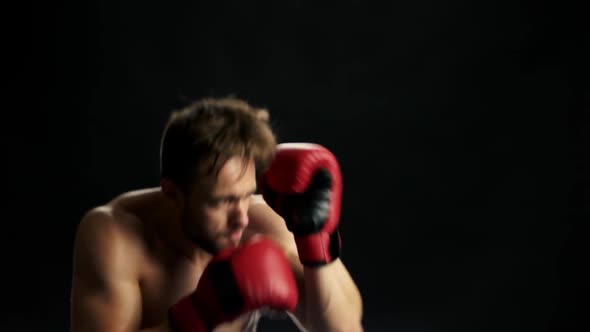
[200, 138]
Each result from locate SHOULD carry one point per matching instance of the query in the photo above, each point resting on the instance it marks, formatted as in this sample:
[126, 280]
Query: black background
[459, 126]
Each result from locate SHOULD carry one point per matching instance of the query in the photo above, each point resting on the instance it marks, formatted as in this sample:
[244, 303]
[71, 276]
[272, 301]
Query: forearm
[332, 300]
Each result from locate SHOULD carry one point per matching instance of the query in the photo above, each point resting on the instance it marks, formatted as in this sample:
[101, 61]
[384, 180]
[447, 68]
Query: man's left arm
[333, 301]
[329, 299]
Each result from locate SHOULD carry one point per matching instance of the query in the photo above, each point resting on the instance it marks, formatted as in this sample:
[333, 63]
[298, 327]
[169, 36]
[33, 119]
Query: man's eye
[218, 202]
[223, 201]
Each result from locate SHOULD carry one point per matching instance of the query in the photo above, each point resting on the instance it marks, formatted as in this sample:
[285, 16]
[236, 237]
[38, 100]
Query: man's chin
[222, 243]
[230, 243]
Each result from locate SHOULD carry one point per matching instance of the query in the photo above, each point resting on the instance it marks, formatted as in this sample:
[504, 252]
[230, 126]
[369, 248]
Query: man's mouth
[235, 236]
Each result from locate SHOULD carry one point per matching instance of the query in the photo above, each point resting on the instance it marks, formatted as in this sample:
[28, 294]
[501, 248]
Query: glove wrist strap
[318, 249]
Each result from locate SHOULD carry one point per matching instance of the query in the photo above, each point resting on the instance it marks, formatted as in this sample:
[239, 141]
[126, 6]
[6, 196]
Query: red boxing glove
[303, 184]
[236, 281]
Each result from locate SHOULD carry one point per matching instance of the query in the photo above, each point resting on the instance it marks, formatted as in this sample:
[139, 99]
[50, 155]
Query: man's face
[216, 212]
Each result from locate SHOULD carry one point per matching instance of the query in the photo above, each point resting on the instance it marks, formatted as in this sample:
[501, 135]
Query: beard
[198, 235]
[195, 230]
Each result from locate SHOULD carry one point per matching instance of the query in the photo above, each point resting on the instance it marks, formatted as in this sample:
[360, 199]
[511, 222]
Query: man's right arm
[105, 290]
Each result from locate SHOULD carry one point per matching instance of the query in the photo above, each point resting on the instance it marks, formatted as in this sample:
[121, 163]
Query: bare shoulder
[104, 224]
[97, 225]
[263, 218]
[103, 243]
[265, 221]
[114, 222]
[105, 294]
[257, 199]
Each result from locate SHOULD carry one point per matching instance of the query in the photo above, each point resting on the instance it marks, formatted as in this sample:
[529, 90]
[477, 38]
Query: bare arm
[329, 298]
[333, 300]
[105, 291]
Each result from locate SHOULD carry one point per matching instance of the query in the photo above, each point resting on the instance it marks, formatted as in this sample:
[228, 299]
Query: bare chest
[163, 284]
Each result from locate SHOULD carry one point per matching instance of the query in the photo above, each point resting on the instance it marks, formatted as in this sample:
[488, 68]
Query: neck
[168, 228]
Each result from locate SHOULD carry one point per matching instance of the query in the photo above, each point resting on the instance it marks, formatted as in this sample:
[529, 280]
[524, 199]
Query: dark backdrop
[459, 126]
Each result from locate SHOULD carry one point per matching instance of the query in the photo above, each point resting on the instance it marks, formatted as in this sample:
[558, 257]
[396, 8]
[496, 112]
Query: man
[202, 252]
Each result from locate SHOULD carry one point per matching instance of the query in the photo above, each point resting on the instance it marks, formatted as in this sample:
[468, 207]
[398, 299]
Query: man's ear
[172, 191]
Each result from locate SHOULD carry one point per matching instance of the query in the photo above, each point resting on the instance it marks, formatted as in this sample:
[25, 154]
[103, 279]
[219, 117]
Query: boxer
[203, 252]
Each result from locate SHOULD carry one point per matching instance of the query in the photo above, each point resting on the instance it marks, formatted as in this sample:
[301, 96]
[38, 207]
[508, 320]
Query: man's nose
[240, 213]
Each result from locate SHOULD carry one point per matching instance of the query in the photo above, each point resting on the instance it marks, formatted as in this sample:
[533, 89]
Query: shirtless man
[202, 252]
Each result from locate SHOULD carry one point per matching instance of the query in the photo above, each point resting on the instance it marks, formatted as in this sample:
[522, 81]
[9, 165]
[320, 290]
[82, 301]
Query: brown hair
[200, 138]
